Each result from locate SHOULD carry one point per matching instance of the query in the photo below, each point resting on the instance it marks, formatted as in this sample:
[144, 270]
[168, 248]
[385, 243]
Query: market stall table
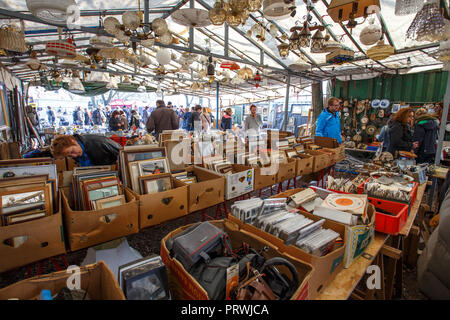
[346, 281]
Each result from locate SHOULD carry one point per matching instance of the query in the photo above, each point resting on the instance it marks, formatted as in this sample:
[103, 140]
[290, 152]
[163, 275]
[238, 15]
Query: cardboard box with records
[321, 159]
[30, 213]
[326, 264]
[265, 172]
[330, 144]
[98, 208]
[96, 281]
[186, 283]
[160, 194]
[239, 179]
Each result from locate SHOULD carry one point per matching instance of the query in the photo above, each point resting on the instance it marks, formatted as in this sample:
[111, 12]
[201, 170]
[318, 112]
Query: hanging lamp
[50, 10]
[218, 14]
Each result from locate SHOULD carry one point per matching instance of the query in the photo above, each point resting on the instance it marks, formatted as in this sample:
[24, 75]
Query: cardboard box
[87, 228]
[265, 177]
[287, 171]
[159, 207]
[208, 191]
[339, 153]
[45, 239]
[240, 182]
[325, 268]
[326, 142]
[184, 286]
[304, 165]
[321, 159]
[97, 279]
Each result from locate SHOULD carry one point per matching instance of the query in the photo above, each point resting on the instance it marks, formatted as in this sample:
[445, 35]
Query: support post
[226, 46]
[217, 104]
[444, 119]
[146, 14]
[286, 103]
[191, 29]
[317, 102]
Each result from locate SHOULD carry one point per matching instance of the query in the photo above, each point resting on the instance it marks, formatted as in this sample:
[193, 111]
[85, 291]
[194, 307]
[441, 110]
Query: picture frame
[102, 193]
[24, 200]
[29, 170]
[109, 202]
[156, 183]
[95, 184]
[153, 166]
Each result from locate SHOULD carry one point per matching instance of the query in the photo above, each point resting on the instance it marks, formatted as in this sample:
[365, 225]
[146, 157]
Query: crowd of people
[406, 130]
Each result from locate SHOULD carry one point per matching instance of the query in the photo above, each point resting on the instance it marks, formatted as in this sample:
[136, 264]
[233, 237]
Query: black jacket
[226, 122]
[400, 138]
[113, 124]
[100, 149]
[425, 132]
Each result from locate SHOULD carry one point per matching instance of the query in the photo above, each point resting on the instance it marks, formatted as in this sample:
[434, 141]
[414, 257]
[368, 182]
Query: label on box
[232, 279]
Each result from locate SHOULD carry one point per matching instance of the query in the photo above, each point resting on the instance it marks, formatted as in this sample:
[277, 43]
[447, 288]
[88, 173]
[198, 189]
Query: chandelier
[234, 12]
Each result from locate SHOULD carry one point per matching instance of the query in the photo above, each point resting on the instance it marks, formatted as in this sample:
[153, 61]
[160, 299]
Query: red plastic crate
[386, 223]
[120, 140]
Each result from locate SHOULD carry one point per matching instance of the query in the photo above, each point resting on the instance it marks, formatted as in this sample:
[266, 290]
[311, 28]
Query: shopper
[383, 136]
[124, 120]
[196, 121]
[328, 123]
[162, 118]
[145, 114]
[135, 122]
[227, 121]
[98, 117]
[51, 116]
[107, 113]
[87, 118]
[187, 119]
[253, 120]
[115, 122]
[425, 136]
[78, 116]
[206, 119]
[86, 150]
[400, 135]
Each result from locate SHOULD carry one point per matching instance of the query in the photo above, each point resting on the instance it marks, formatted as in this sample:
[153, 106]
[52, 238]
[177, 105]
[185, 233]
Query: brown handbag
[254, 288]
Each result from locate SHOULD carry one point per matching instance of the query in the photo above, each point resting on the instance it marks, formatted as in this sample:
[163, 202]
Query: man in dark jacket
[162, 118]
[227, 120]
[196, 121]
[98, 116]
[145, 114]
[187, 119]
[87, 150]
[425, 134]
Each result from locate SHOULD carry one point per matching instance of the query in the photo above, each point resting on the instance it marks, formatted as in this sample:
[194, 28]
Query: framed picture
[156, 183]
[96, 184]
[102, 193]
[25, 200]
[12, 172]
[109, 202]
[154, 166]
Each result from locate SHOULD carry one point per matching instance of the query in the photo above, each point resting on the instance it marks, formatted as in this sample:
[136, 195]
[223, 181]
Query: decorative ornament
[159, 26]
[283, 49]
[317, 43]
[53, 11]
[191, 17]
[330, 44]
[428, 24]
[101, 42]
[61, 48]
[111, 25]
[277, 9]
[13, 39]
[218, 15]
[234, 18]
[131, 20]
[254, 5]
[340, 56]
[166, 38]
[34, 64]
[300, 65]
[305, 36]
[370, 34]
[273, 30]
[163, 56]
[405, 7]
[380, 51]
[294, 40]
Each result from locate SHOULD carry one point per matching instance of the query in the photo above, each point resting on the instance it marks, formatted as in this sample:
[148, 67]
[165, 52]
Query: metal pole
[443, 122]
[191, 29]
[226, 46]
[146, 14]
[217, 104]
[286, 103]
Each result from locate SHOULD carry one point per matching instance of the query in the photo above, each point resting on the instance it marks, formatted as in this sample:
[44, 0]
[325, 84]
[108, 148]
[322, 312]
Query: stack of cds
[246, 210]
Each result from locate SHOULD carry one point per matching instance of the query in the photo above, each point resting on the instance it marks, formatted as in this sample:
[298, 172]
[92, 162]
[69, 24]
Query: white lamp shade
[50, 10]
[163, 56]
[191, 17]
[76, 86]
[96, 76]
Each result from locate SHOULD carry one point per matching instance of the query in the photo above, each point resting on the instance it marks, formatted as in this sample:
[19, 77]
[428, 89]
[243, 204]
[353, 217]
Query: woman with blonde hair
[400, 134]
[206, 119]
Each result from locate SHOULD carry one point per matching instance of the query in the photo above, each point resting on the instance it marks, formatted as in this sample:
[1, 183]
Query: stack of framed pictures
[145, 169]
[222, 166]
[96, 187]
[28, 190]
[186, 177]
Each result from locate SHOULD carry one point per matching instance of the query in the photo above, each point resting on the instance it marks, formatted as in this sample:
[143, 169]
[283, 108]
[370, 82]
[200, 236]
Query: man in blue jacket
[328, 123]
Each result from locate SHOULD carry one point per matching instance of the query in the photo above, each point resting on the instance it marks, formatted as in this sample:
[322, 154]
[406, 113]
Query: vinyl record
[345, 202]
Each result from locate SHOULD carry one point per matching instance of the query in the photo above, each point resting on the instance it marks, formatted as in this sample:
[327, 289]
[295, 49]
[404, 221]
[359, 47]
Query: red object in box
[120, 140]
[386, 223]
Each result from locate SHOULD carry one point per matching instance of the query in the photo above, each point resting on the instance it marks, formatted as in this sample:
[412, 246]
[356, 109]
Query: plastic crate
[385, 223]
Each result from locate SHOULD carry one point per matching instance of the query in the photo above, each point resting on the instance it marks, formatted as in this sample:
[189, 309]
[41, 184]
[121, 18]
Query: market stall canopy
[255, 43]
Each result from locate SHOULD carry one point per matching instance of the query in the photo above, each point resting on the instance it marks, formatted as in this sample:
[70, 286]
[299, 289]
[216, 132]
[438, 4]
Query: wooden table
[346, 281]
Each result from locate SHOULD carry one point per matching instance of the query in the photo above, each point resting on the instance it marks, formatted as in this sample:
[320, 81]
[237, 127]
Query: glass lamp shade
[283, 49]
[76, 86]
[317, 42]
[254, 5]
[305, 37]
[218, 15]
[166, 38]
[238, 5]
[159, 26]
[293, 40]
[234, 18]
[50, 10]
[163, 56]
[34, 64]
[131, 20]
